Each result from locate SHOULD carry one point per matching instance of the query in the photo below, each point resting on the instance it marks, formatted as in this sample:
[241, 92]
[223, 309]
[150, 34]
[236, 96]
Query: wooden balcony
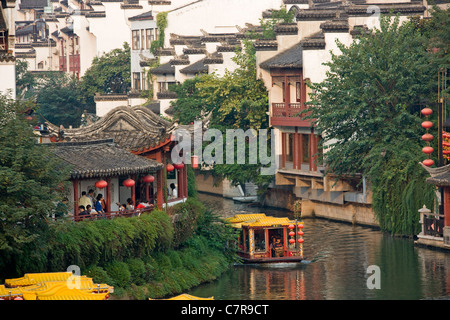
[288, 114]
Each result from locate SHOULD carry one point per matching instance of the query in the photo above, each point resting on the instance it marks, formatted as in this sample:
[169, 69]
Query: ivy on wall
[161, 23]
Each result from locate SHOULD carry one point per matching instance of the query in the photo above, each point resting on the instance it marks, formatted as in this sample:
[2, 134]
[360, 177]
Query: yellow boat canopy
[258, 220]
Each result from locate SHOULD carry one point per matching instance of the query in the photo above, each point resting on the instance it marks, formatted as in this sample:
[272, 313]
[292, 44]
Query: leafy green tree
[25, 80]
[237, 100]
[368, 112]
[30, 182]
[110, 73]
[58, 99]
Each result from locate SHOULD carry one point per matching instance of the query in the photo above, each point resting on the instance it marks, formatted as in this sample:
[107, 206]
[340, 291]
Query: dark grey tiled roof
[31, 4]
[102, 159]
[439, 176]
[290, 58]
[197, 67]
[133, 129]
[166, 68]
[143, 16]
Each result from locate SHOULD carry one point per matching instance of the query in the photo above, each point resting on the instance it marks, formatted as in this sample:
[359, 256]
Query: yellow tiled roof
[35, 278]
[269, 221]
[55, 286]
[246, 217]
[64, 293]
[258, 220]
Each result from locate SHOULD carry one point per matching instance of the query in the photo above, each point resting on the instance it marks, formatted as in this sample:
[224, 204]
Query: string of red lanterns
[300, 234]
[427, 137]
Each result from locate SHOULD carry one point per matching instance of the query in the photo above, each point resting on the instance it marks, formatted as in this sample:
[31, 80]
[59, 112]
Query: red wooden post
[75, 197]
[180, 183]
[185, 181]
[287, 95]
[300, 150]
[108, 195]
[159, 182]
[446, 206]
[283, 150]
[133, 191]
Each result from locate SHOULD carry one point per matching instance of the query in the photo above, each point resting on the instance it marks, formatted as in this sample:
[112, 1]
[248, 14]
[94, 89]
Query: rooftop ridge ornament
[427, 136]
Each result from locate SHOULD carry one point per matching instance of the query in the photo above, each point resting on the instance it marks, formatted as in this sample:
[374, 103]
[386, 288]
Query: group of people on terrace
[90, 205]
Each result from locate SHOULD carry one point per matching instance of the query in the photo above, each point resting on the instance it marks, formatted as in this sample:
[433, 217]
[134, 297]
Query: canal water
[342, 261]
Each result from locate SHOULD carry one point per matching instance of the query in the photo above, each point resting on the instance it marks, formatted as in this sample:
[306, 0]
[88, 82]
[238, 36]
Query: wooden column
[185, 181]
[76, 196]
[133, 191]
[300, 150]
[287, 94]
[283, 150]
[147, 193]
[314, 151]
[180, 183]
[108, 195]
[159, 182]
[446, 206]
[294, 150]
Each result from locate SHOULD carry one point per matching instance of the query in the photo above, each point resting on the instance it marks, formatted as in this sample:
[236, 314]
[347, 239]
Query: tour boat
[267, 239]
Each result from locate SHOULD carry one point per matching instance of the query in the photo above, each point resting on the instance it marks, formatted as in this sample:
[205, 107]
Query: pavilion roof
[101, 159]
[439, 176]
[132, 128]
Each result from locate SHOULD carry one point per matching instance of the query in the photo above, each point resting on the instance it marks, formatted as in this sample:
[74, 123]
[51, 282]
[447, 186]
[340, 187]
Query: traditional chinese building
[287, 64]
[435, 226]
[7, 58]
[141, 133]
[103, 160]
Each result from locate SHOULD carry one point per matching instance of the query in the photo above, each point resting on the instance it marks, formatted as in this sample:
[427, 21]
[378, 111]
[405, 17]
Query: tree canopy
[29, 180]
[109, 73]
[236, 100]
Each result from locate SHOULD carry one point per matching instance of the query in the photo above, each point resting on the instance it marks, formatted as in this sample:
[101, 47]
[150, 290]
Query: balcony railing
[288, 114]
[432, 223]
[109, 215]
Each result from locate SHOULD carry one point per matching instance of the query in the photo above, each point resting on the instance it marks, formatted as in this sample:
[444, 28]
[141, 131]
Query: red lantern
[194, 161]
[300, 233]
[101, 184]
[292, 233]
[291, 241]
[300, 226]
[178, 166]
[149, 178]
[427, 124]
[128, 183]
[427, 150]
[427, 137]
[291, 226]
[300, 240]
[170, 167]
[428, 162]
[426, 111]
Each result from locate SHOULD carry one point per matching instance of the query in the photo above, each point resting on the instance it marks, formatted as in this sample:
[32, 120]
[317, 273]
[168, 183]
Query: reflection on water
[337, 257]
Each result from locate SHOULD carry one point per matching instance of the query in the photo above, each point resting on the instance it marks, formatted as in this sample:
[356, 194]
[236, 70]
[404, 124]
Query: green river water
[342, 261]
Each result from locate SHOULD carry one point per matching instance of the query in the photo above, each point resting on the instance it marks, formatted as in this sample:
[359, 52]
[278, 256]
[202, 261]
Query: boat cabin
[268, 239]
